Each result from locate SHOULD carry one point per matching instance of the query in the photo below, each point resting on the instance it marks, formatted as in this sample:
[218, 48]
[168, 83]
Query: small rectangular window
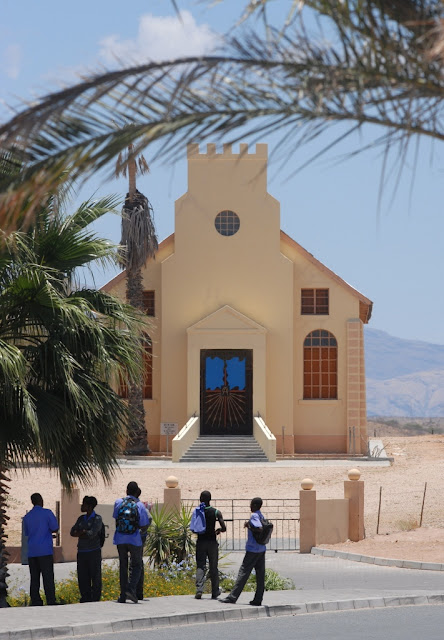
[314, 302]
[149, 304]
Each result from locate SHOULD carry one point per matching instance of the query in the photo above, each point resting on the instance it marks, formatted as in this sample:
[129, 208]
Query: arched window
[147, 367]
[320, 366]
[147, 390]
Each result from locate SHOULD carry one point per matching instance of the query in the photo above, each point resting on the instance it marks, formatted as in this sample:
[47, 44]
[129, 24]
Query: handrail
[185, 438]
[265, 438]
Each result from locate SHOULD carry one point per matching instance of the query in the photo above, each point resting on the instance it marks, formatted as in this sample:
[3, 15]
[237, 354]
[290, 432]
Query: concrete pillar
[172, 493]
[307, 534]
[354, 492]
[69, 512]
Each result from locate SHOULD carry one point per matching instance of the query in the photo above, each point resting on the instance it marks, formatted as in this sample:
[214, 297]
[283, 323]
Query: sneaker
[198, 595]
[255, 604]
[131, 596]
[228, 600]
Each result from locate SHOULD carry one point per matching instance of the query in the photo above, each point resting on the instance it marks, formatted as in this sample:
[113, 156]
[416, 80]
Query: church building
[249, 334]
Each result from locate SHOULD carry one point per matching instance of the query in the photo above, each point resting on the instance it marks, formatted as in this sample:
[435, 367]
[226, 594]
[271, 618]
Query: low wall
[332, 521]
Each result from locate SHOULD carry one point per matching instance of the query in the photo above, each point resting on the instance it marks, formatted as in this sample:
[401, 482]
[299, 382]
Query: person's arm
[144, 518]
[25, 527]
[52, 522]
[116, 508]
[222, 527]
[75, 529]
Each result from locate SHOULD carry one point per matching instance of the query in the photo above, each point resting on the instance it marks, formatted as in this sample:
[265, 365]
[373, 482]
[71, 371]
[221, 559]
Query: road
[396, 623]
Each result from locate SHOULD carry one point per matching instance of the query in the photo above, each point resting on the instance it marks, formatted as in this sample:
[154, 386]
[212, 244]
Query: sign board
[169, 428]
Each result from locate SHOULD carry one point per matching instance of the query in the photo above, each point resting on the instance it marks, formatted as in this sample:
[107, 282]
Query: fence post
[423, 501]
[354, 491]
[69, 512]
[307, 508]
[379, 509]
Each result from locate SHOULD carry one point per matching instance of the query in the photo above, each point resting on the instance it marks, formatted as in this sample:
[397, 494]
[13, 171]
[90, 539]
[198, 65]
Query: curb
[384, 562]
[224, 615]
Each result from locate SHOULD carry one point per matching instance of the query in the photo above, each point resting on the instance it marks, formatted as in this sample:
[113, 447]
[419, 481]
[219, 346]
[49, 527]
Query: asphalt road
[396, 623]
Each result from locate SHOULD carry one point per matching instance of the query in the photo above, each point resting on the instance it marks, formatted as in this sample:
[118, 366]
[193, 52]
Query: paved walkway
[322, 584]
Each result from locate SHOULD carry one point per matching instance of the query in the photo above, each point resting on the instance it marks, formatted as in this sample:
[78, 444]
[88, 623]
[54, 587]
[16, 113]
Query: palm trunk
[132, 168]
[138, 437]
[3, 553]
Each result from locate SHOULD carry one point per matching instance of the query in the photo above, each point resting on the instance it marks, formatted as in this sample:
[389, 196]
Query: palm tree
[358, 62]
[139, 243]
[61, 346]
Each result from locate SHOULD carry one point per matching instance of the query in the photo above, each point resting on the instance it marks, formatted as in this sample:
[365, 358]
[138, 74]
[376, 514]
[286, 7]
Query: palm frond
[366, 63]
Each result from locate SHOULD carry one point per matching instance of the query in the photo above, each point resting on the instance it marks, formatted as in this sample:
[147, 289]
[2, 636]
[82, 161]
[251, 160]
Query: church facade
[244, 322]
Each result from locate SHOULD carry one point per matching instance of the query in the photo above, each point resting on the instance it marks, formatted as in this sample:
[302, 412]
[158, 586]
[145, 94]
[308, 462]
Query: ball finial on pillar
[171, 482]
[354, 474]
[307, 484]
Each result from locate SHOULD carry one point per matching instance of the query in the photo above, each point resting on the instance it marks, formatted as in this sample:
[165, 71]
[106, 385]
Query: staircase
[224, 449]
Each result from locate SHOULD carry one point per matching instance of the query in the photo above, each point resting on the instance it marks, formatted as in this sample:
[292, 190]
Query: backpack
[127, 520]
[262, 536]
[198, 522]
[102, 535]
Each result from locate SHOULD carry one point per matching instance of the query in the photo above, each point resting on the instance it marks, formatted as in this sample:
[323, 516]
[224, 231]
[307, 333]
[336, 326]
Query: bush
[169, 538]
[273, 582]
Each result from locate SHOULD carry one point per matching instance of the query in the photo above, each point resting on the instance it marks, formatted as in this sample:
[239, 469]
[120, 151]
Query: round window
[227, 223]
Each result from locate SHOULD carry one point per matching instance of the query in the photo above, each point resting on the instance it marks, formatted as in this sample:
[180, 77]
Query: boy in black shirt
[207, 546]
[89, 554]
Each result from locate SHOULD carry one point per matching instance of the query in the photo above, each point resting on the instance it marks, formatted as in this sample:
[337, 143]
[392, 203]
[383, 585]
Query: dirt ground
[417, 461]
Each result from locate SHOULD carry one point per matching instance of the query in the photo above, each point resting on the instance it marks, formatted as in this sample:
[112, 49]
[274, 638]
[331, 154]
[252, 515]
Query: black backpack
[262, 536]
[127, 520]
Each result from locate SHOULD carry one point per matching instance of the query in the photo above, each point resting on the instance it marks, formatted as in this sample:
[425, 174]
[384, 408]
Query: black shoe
[198, 595]
[121, 599]
[228, 600]
[216, 595]
[131, 596]
[140, 596]
[255, 604]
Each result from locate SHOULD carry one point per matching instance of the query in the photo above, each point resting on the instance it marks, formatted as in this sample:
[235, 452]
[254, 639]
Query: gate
[283, 513]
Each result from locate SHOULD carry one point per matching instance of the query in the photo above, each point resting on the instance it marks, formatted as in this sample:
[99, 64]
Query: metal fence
[283, 512]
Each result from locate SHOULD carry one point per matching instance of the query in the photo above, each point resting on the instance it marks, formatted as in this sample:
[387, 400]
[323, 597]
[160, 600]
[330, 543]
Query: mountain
[404, 377]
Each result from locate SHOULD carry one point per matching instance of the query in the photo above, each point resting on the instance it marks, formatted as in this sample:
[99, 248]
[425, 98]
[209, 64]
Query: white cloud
[12, 57]
[161, 38]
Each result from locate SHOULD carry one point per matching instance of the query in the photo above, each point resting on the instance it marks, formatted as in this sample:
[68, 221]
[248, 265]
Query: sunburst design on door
[224, 406]
[226, 391]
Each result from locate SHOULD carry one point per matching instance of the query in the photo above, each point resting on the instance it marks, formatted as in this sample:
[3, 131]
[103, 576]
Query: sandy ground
[425, 544]
[417, 460]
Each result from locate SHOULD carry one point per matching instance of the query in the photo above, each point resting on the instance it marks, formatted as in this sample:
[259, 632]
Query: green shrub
[273, 582]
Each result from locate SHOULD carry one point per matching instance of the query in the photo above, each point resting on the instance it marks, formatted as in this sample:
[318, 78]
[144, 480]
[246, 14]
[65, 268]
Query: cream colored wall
[316, 420]
[245, 271]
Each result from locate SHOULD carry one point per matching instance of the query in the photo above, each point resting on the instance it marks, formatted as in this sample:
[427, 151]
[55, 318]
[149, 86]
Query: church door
[226, 391]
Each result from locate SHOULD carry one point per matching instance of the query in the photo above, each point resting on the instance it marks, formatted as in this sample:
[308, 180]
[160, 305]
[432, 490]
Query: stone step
[225, 449]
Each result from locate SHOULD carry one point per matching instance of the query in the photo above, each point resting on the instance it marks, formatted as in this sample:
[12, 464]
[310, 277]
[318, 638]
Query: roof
[365, 304]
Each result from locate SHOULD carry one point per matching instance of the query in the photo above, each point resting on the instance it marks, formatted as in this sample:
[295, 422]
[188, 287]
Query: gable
[365, 304]
[226, 319]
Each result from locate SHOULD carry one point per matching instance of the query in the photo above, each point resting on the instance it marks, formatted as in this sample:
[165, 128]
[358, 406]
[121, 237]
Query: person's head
[37, 500]
[88, 505]
[256, 504]
[205, 496]
[132, 489]
[138, 492]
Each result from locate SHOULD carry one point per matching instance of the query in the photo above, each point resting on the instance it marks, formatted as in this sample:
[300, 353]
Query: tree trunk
[132, 169]
[138, 437]
[3, 553]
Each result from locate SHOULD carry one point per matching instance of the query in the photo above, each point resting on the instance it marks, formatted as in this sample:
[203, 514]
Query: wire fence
[401, 508]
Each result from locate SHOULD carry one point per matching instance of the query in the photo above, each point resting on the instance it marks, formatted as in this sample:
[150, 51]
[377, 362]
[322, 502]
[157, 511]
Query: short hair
[90, 501]
[36, 499]
[131, 489]
[205, 496]
[256, 503]
[138, 492]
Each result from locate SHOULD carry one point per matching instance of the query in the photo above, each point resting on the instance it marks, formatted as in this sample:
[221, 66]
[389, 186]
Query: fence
[283, 512]
[401, 508]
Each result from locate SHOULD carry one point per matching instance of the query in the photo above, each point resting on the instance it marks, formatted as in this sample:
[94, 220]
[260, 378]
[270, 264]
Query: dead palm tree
[139, 243]
[330, 63]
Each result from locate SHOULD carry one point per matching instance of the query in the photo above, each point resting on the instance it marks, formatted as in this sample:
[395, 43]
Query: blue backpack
[198, 522]
[127, 520]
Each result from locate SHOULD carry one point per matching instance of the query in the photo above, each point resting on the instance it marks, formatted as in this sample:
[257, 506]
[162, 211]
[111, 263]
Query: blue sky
[393, 253]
